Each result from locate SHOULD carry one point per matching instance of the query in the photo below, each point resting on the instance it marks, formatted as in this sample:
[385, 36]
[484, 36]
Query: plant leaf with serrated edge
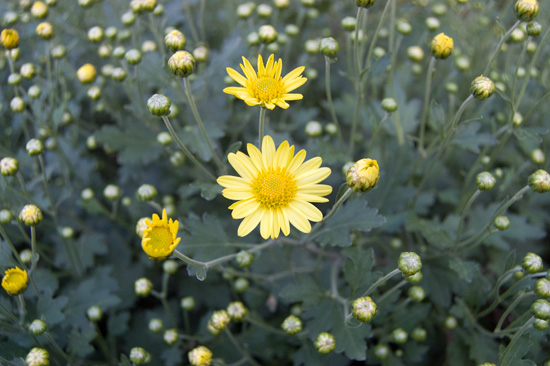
[358, 269]
[135, 146]
[80, 339]
[51, 309]
[353, 216]
[305, 290]
[512, 354]
[466, 270]
[204, 238]
[469, 137]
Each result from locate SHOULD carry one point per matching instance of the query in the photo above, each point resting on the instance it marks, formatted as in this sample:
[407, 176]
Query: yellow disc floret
[160, 237]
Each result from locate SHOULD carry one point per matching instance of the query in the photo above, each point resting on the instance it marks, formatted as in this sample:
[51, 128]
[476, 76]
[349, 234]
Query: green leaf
[172, 356]
[482, 348]
[135, 146]
[468, 137]
[6, 256]
[305, 290]
[88, 246]
[118, 324]
[512, 354]
[358, 269]
[204, 239]
[466, 270]
[352, 216]
[51, 309]
[431, 230]
[532, 134]
[209, 191]
[195, 141]
[80, 339]
[234, 147]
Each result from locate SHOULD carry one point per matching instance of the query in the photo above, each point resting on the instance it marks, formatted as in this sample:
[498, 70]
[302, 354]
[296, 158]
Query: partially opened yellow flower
[275, 189]
[15, 281]
[266, 87]
[159, 238]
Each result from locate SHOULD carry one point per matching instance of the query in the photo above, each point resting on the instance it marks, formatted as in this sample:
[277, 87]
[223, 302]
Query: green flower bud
[389, 105]
[87, 194]
[296, 309]
[482, 87]
[111, 192]
[146, 192]
[349, 23]
[34, 91]
[502, 222]
[182, 64]
[539, 181]
[267, 34]
[519, 273]
[28, 71]
[170, 336]
[37, 327]
[364, 3]
[417, 293]
[403, 26]
[95, 34]
[59, 51]
[34, 147]
[133, 56]
[399, 336]
[534, 29]
[485, 181]
[281, 4]
[66, 232]
[292, 30]
[432, 23]
[363, 175]
[314, 129]
[325, 343]
[241, 284]
[37, 357]
[331, 129]
[329, 47]
[532, 263]
[526, 10]
[201, 54]
[119, 52]
[94, 313]
[187, 303]
[14, 79]
[30, 215]
[155, 325]
[542, 288]
[164, 138]
[200, 356]
[409, 263]
[415, 278]
[540, 324]
[442, 46]
[537, 156]
[450, 322]
[94, 93]
[175, 40]
[415, 53]
[237, 311]
[143, 287]
[264, 10]
[487, 364]
[419, 334]
[312, 45]
[364, 309]
[128, 18]
[139, 356]
[244, 259]
[451, 87]
[245, 10]
[9, 166]
[148, 5]
[5, 216]
[220, 319]
[118, 74]
[177, 158]
[292, 325]
[17, 104]
[382, 352]
[170, 266]
[541, 309]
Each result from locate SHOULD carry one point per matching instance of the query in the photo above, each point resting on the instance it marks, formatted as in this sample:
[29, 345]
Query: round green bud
[281, 4]
[111, 192]
[537, 156]
[379, 52]
[382, 352]
[95, 34]
[128, 18]
[94, 313]
[409, 263]
[170, 266]
[27, 70]
[419, 334]
[325, 343]
[349, 23]
[451, 87]
[118, 74]
[91, 142]
[187, 303]
[164, 138]
[487, 364]
[111, 32]
[417, 293]
[159, 105]
[264, 10]
[267, 34]
[539, 181]
[296, 309]
[526, 10]
[182, 63]
[329, 47]
[364, 3]
[58, 51]
[220, 319]
[155, 325]
[542, 288]
[314, 129]
[432, 23]
[9, 166]
[170, 336]
[403, 26]
[482, 87]
[245, 10]
[450, 322]
[399, 336]
[499, 173]
[177, 158]
[292, 324]
[331, 129]
[201, 54]
[502, 222]
[485, 181]
[126, 201]
[364, 309]
[415, 53]
[241, 284]
[66, 232]
[415, 278]
[237, 311]
[139, 356]
[517, 35]
[17, 104]
[519, 273]
[540, 324]
[133, 56]
[37, 327]
[532, 263]
[534, 29]
[94, 92]
[87, 194]
[119, 52]
[292, 30]
[389, 105]
[34, 91]
[5, 216]
[146, 192]
[37, 357]
[30, 215]
[175, 40]
[104, 51]
[541, 309]
[439, 9]
[14, 79]
[244, 259]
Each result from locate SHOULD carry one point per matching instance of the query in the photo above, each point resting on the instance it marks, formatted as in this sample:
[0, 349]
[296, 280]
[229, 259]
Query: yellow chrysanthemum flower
[275, 189]
[160, 237]
[266, 87]
[15, 281]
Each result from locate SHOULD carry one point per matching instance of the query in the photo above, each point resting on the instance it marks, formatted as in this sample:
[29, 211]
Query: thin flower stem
[191, 101]
[358, 87]
[103, 345]
[330, 103]
[34, 255]
[45, 179]
[510, 309]
[239, 348]
[22, 183]
[375, 36]
[57, 347]
[499, 45]
[9, 314]
[515, 338]
[186, 151]
[519, 62]
[201, 20]
[459, 112]
[164, 299]
[191, 22]
[427, 96]
[261, 125]
[381, 281]
[22, 309]
[155, 205]
[376, 131]
[464, 212]
[396, 287]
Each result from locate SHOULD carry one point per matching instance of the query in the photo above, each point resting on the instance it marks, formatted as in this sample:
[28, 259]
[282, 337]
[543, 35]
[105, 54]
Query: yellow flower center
[266, 89]
[274, 188]
[161, 238]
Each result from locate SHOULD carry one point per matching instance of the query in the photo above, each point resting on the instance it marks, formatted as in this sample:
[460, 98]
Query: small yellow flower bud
[220, 319]
[128, 18]
[201, 54]
[292, 324]
[403, 26]
[526, 10]
[9, 166]
[539, 181]
[30, 215]
[363, 175]
[27, 70]
[415, 53]
[170, 267]
[155, 325]
[325, 343]
[364, 309]
[415, 278]
[281, 4]
[237, 311]
[9, 39]
[482, 87]
[200, 356]
[44, 30]
[267, 34]
[532, 263]
[34, 91]
[241, 284]
[442, 46]
[175, 40]
[86, 73]
[39, 10]
[15, 281]
[182, 63]
[37, 357]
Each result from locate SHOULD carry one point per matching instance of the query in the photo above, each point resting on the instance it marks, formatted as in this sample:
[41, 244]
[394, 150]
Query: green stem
[515, 338]
[381, 281]
[330, 103]
[376, 131]
[103, 345]
[34, 255]
[22, 309]
[239, 348]
[45, 179]
[375, 36]
[459, 112]
[359, 89]
[191, 22]
[57, 347]
[424, 115]
[22, 183]
[261, 125]
[464, 212]
[9, 314]
[191, 101]
[164, 299]
[499, 45]
[510, 309]
[186, 151]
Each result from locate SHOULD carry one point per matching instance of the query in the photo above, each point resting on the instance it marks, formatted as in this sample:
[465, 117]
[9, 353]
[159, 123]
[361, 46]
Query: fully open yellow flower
[159, 238]
[266, 87]
[275, 189]
[15, 281]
